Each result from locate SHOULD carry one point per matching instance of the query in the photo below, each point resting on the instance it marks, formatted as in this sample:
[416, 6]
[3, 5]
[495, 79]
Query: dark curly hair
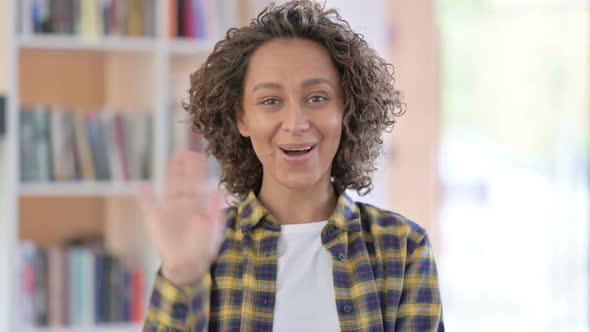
[371, 102]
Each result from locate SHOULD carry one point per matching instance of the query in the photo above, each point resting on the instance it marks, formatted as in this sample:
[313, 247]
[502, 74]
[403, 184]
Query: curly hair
[371, 102]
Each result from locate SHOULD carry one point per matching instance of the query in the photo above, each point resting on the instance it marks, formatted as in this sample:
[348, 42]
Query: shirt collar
[251, 212]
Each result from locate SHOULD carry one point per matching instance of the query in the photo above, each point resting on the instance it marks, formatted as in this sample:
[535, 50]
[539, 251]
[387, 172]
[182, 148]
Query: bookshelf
[89, 72]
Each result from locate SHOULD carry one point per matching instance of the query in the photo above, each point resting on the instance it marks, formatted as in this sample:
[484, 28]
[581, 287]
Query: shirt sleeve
[420, 308]
[174, 309]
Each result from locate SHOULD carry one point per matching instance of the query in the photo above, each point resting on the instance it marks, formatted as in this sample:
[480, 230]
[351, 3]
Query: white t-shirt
[305, 299]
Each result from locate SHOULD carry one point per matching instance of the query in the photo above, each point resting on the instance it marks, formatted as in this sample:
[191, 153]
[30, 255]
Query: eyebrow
[306, 83]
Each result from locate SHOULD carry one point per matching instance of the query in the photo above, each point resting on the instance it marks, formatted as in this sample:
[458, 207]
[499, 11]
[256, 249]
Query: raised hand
[187, 223]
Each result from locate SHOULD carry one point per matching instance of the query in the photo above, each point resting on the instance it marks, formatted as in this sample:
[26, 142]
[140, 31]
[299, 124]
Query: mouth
[297, 152]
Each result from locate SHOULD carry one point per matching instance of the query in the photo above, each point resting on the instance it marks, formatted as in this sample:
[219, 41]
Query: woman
[293, 107]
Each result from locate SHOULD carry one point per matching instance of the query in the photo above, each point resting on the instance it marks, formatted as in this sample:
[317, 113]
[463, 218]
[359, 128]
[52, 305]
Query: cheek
[261, 133]
[333, 129]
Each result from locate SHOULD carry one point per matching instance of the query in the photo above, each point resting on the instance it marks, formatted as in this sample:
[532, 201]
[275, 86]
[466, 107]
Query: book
[86, 170]
[96, 139]
[27, 283]
[78, 285]
[42, 160]
[90, 19]
[40, 295]
[134, 19]
[3, 108]
[62, 144]
[137, 294]
[28, 171]
[65, 144]
[57, 285]
[202, 19]
[120, 143]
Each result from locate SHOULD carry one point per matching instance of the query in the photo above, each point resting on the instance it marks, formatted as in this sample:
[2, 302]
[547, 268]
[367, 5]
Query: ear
[242, 128]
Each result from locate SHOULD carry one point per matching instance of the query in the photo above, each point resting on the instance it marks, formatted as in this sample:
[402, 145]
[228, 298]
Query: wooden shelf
[187, 46]
[178, 46]
[118, 327]
[102, 44]
[79, 188]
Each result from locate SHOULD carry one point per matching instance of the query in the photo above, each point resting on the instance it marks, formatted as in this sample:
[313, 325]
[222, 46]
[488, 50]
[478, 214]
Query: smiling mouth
[295, 152]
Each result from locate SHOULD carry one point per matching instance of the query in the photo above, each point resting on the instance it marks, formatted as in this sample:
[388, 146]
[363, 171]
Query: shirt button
[330, 231]
[267, 254]
[347, 308]
[341, 256]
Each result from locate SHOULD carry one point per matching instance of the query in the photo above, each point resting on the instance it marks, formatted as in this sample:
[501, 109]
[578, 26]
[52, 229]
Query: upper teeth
[297, 149]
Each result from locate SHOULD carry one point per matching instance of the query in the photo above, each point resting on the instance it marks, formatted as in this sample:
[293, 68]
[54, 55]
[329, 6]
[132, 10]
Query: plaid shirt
[384, 273]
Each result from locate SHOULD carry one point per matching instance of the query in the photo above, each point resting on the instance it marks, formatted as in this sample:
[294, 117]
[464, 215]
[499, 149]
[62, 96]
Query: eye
[317, 99]
[270, 101]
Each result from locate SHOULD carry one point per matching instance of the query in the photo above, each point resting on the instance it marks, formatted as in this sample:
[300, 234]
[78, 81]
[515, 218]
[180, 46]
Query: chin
[299, 182]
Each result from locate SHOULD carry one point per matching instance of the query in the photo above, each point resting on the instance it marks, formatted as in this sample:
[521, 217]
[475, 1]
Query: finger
[148, 205]
[145, 198]
[174, 185]
[195, 169]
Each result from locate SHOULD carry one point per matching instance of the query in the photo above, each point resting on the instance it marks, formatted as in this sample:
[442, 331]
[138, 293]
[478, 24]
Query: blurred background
[492, 156]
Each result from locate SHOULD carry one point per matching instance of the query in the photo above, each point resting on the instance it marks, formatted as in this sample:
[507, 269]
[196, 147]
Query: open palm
[187, 223]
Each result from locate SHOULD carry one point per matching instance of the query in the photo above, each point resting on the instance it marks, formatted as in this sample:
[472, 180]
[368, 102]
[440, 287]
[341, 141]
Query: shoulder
[391, 228]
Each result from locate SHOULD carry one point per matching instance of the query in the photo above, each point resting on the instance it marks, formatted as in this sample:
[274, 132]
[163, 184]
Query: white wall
[3, 47]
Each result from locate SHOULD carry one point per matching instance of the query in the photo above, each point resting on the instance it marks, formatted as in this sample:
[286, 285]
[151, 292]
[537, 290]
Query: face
[292, 111]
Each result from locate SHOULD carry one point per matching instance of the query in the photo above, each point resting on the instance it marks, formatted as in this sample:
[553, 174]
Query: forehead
[290, 60]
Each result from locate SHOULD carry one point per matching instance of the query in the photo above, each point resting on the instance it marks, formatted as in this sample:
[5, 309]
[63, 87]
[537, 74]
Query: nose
[295, 119]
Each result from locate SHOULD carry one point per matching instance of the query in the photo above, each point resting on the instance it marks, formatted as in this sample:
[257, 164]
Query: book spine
[108, 266]
[26, 137]
[189, 19]
[27, 303]
[68, 12]
[57, 143]
[137, 295]
[114, 161]
[123, 12]
[42, 144]
[87, 287]
[99, 286]
[27, 17]
[130, 120]
[121, 144]
[73, 293]
[45, 16]
[134, 23]
[41, 285]
[107, 18]
[148, 17]
[84, 156]
[100, 156]
[173, 18]
[127, 292]
[55, 272]
[180, 8]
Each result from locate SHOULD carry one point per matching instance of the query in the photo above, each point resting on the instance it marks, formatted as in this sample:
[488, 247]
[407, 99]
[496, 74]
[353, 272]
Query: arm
[420, 308]
[178, 309]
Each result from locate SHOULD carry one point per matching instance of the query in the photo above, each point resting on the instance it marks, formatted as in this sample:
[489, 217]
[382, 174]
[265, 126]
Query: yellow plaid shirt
[384, 273]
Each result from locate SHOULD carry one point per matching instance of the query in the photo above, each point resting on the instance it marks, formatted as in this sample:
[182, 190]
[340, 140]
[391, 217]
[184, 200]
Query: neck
[312, 204]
